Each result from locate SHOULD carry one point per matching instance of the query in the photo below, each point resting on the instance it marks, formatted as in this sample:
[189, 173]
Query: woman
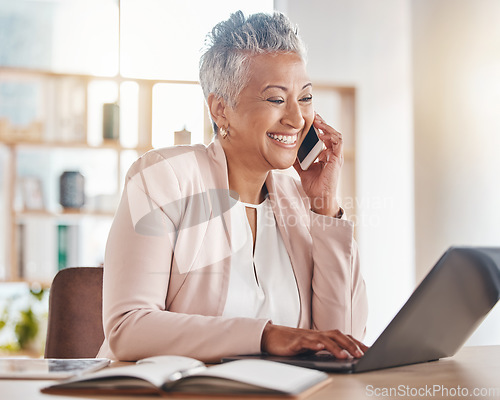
[214, 253]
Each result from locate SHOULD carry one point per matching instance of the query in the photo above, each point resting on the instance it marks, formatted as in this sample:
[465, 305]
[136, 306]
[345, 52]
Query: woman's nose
[293, 115]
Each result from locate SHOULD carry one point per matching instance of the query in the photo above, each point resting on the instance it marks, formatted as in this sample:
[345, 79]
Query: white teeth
[286, 139]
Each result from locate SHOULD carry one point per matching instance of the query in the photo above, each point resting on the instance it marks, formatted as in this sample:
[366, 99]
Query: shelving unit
[77, 135]
[23, 143]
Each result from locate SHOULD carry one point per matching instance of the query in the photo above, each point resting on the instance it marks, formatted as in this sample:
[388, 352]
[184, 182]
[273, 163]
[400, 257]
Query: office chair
[75, 314]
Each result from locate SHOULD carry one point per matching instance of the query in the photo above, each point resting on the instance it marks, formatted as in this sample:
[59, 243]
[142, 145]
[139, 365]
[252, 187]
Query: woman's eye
[306, 99]
[276, 101]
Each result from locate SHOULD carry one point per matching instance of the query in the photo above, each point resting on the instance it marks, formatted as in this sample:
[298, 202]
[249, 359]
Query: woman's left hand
[321, 179]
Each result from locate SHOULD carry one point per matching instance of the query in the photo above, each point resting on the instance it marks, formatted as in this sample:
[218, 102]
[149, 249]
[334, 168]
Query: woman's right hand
[284, 341]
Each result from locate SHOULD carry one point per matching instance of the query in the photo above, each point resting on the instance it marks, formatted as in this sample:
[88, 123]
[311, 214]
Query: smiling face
[272, 115]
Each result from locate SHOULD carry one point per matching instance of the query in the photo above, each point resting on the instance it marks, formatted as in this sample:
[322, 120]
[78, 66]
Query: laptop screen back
[442, 312]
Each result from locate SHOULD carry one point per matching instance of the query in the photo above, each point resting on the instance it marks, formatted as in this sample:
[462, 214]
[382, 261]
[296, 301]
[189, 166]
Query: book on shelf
[177, 374]
[35, 249]
[67, 246]
[65, 120]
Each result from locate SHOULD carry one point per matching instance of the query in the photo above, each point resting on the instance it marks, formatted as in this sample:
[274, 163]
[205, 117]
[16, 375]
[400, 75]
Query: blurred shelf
[30, 283]
[8, 72]
[63, 214]
[73, 145]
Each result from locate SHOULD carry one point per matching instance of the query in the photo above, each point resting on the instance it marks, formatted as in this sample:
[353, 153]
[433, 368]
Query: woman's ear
[217, 108]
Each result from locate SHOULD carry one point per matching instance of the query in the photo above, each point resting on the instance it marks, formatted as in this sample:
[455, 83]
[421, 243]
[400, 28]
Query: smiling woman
[212, 251]
[272, 112]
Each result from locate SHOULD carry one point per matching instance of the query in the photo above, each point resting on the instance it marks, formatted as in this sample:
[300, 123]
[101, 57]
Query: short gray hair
[231, 43]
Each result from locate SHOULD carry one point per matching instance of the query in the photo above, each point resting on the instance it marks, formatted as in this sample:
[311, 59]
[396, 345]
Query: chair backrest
[75, 314]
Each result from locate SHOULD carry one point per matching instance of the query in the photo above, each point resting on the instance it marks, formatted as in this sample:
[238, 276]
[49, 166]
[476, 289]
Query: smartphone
[309, 149]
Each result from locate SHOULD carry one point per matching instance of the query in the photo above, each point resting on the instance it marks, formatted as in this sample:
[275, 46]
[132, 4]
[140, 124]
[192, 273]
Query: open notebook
[176, 374]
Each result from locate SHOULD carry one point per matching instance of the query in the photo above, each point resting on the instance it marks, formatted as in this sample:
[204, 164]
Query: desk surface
[473, 373]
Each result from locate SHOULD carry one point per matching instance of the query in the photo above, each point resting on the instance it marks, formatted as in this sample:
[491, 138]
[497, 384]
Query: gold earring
[224, 132]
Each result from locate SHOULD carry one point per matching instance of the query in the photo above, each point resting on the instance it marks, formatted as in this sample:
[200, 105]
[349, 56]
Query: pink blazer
[168, 257]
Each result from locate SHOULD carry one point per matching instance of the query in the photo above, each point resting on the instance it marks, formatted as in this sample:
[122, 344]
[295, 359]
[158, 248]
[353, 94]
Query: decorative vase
[72, 189]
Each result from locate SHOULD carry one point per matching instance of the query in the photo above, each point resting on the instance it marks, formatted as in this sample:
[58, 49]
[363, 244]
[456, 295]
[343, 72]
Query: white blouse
[262, 282]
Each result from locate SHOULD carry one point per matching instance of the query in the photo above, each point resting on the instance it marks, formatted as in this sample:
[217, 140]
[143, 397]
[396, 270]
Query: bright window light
[162, 39]
[177, 107]
[129, 114]
[85, 36]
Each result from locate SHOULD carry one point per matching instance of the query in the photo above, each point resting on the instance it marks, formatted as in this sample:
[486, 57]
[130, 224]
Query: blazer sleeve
[137, 268]
[339, 298]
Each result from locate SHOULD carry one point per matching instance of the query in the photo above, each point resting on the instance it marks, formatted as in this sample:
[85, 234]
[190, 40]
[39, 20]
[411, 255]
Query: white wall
[367, 44]
[457, 131]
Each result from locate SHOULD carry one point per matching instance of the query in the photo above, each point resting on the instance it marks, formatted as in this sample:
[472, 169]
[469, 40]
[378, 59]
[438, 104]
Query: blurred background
[88, 86]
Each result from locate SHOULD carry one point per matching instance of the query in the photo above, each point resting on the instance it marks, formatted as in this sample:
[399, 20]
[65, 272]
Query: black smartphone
[309, 149]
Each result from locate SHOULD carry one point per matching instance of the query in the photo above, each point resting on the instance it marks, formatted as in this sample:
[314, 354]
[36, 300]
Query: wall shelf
[65, 214]
[73, 145]
[33, 234]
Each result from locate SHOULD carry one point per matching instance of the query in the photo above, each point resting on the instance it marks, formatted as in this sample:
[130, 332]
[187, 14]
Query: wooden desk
[473, 368]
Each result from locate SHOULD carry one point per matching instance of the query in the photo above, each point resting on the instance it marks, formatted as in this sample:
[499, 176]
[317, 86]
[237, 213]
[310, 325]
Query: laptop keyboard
[326, 357]
[66, 365]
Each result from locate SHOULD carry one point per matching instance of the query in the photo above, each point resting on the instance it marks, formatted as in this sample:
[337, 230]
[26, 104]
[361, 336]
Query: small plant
[20, 321]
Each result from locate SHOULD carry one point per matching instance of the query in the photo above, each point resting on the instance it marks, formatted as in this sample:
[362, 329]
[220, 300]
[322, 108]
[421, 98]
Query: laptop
[440, 315]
